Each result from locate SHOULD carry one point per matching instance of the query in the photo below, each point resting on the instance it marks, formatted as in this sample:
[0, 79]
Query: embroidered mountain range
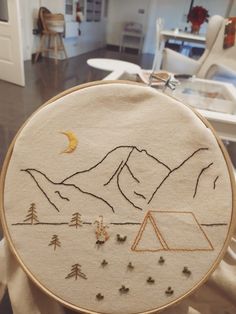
[125, 174]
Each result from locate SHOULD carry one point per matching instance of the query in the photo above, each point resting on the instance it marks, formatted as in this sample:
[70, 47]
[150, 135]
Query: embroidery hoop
[45, 289]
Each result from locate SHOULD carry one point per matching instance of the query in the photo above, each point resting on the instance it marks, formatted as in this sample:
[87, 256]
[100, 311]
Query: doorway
[11, 56]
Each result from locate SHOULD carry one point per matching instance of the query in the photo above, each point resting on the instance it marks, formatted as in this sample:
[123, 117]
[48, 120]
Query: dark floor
[44, 80]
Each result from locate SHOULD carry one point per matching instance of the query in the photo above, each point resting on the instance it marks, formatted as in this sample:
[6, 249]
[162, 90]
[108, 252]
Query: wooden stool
[52, 31]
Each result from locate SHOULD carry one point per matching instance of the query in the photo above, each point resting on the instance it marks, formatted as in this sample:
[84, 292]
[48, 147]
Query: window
[69, 7]
[93, 11]
[106, 4]
[3, 11]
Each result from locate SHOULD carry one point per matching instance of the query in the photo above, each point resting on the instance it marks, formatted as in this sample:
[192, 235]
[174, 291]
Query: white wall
[214, 7]
[122, 11]
[29, 14]
[174, 13]
[96, 34]
[93, 33]
[127, 10]
[55, 6]
[93, 36]
[233, 10]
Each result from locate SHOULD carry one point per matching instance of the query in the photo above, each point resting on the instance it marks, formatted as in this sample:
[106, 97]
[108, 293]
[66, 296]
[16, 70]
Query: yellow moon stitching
[73, 142]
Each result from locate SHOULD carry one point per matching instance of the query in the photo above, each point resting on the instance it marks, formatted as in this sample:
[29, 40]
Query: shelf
[131, 40]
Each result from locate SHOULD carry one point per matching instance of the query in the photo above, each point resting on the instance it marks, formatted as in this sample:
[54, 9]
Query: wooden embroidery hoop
[50, 293]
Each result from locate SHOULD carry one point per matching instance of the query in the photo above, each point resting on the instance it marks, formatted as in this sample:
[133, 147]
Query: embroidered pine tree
[32, 217]
[55, 242]
[76, 220]
[76, 272]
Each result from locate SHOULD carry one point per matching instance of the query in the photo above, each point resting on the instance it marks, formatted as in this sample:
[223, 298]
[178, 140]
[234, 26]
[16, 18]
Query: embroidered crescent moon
[73, 142]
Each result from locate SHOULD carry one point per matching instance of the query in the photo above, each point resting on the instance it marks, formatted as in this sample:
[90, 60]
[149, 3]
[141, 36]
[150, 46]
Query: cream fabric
[133, 123]
[216, 296]
[25, 297]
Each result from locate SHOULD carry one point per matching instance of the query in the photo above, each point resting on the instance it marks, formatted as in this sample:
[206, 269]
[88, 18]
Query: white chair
[159, 45]
[178, 63]
[220, 63]
[222, 73]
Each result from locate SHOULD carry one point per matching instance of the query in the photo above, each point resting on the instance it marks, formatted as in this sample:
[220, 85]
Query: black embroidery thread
[117, 173]
[118, 182]
[41, 223]
[118, 168]
[52, 223]
[64, 198]
[141, 195]
[119, 238]
[132, 175]
[158, 187]
[28, 171]
[150, 280]
[130, 266]
[84, 223]
[104, 263]
[111, 151]
[214, 184]
[161, 260]
[174, 169]
[125, 223]
[73, 185]
[215, 224]
[99, 296]
[22, 224]
[123, 289]
[169, 291]
[195, 152]
[199, 176]
[186, 271]
[91, 194]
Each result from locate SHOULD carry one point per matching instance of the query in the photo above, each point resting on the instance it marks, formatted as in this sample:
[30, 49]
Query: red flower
[198, 15]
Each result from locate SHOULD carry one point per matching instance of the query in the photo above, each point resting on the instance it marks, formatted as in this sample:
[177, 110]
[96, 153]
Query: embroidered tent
[171, 231]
